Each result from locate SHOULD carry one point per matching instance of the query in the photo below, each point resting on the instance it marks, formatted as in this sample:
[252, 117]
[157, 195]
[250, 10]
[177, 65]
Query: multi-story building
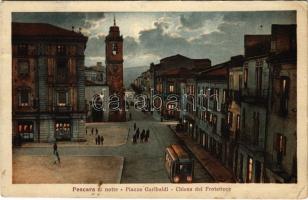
[48, 82]
[232, 128]
[96, 93]
[211, 110]
[255, 92]
[169, 76]
[281, 161]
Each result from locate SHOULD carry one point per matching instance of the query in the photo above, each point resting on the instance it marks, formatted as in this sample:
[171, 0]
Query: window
[230, 119]
[22, 49]
[281, 145]
[25, 130]
[259, 78]
[23, 67]
[62, 70]
[284, 98]
[171, 88]
[24, 97]
[224, 97]
[238, 122]
[214, 123]
[256, 125]
[243, 117]
[62, 129]
[245, 75]
[60, 50]
[62, 98]
[249, 170]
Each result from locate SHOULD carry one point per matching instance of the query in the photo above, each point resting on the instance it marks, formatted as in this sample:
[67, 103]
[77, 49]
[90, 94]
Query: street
[143, 162]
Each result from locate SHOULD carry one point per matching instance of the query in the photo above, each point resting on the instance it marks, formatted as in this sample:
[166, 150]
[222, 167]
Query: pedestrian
[142, 135]
[134, 139]
[92, 131]
[147, 135]
[102, 139]
[55, 148]
[135, 126]
[96, 131]
[58, 157]
[99, 140]
[130, 116]
[137, 134]
[96, 140]
[86, 131]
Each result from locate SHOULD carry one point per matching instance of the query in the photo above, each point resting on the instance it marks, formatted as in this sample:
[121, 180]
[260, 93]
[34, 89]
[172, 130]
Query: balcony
[251, 95]
[251, 143]
[62, 109]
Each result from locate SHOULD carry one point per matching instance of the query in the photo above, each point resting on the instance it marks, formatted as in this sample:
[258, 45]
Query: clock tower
[114, 73]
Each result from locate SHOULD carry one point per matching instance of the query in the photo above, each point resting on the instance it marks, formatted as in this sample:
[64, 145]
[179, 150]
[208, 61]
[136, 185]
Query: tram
[179, 164]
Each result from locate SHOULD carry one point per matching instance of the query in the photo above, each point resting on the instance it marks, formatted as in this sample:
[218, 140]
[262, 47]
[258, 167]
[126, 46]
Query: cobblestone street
[143, 162]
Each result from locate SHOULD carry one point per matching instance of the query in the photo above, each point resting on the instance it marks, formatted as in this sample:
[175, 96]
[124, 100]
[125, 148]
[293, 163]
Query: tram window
[183, 169]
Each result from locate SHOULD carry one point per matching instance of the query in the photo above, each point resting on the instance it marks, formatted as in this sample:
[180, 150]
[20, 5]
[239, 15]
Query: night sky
[148, 37]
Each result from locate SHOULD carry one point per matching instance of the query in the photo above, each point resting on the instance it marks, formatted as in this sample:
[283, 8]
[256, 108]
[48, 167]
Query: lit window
[62, 98]
[23, 68]
[284, 98]
[171, 88]
[24, 97]
[249, 170]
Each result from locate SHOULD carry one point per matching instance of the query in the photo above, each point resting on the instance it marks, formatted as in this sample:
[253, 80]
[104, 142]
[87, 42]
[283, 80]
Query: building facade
[48, 82]
[96, 92]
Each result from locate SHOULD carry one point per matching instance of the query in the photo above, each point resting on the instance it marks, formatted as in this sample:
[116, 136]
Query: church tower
[114, 72]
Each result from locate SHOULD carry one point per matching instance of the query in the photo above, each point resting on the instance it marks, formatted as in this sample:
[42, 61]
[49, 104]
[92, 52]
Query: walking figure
[137, 134]
[57, 158]
[147, 135]
[134, 126]
[142, 135]
[86, 131]
[130, 116]
[134, 139]
[98, 139]
[92, 131]
[102, 139]
[55, 148]
[96, 131]
[96, 142]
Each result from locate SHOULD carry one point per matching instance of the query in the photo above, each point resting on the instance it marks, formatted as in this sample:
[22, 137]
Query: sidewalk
[114, 135]
[211, 164]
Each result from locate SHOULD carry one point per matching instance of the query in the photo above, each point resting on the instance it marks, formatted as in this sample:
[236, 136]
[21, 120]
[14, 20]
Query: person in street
[130, 116]
[137, 134]
[99, 140]
[147, 135]
[58, 157]
[96, 142]
[92, 131]
[86, 131]
[134, 139]
[102, 139]
[55, 148]
[135, 126]
[96, 131]
[142, 135]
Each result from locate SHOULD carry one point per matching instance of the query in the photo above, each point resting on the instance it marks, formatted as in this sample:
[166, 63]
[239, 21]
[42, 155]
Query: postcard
[154, 99]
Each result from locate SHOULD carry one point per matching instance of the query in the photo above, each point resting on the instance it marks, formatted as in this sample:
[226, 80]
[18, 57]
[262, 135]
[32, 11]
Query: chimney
[73, 28]
[79, 29]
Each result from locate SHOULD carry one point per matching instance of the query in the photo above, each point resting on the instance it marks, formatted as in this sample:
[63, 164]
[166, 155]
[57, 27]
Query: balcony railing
[67, 108]
[254, 95]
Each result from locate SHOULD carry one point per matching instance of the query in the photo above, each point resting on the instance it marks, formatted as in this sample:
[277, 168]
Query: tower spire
[114, 20]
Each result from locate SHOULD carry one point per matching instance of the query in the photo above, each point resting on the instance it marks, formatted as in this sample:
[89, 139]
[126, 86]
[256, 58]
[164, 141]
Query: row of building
[242, 111]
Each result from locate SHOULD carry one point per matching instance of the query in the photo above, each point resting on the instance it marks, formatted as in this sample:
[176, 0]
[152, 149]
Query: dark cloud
[195, 20]
[62, 19]
[219, 45]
